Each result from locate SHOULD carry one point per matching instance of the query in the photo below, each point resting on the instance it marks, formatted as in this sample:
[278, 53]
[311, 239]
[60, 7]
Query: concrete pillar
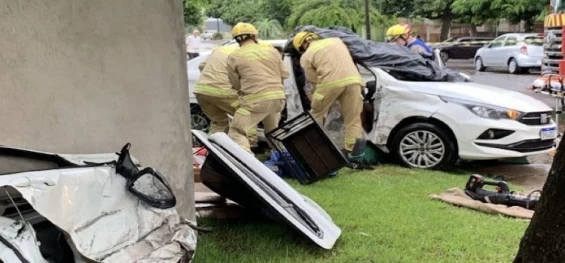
[84, 76]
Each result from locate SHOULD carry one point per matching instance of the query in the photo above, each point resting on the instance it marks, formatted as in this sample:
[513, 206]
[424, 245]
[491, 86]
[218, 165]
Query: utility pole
[367, 20]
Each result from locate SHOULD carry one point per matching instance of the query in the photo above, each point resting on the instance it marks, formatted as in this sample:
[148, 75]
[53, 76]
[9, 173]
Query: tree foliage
[270, 29]
[323, 13]
[234, 11]
[432, 9]
[278, 10]
[193, 11]
[515, 11]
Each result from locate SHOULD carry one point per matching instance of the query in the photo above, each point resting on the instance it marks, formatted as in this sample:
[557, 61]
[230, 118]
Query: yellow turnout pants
[216, 109]
[249, 115]
[351, 103]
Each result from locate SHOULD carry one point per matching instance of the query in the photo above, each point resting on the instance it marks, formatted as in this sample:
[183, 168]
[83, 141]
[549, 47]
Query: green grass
[385, 216]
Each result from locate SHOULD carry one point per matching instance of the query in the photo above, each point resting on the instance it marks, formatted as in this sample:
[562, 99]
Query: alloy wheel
[478, 64]
[512, 66]
[422, 149]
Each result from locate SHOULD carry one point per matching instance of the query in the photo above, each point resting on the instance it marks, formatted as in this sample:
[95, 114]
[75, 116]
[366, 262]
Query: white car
[516, 52]
[88, 208]
[429, 124]
[208, 34]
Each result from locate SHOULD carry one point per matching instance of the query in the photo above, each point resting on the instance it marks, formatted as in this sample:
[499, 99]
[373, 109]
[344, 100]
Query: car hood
[485, 94]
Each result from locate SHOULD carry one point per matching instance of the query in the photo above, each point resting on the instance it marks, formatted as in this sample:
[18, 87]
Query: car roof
[474, 38]
[521, 35]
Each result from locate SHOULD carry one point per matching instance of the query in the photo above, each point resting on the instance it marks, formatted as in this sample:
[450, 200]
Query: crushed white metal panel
[77, 159]
[85, 159]
[22, 238]
[105, 221]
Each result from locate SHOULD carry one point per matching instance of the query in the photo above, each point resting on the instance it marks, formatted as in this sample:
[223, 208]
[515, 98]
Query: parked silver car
[517, 52]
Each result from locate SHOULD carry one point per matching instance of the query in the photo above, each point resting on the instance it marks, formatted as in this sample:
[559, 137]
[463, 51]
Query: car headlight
[486, 111]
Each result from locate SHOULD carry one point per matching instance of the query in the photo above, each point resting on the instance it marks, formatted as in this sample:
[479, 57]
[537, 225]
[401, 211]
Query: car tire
[425, 146]
[513, 67]
[444, 56]
[479, 66]
[198, 120]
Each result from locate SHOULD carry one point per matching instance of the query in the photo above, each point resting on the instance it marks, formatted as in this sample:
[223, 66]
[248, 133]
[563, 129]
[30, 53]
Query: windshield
[534, 40]
[449, 40]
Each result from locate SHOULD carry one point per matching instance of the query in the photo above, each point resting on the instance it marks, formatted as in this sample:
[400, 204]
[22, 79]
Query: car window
[497, 42]
[511, 41]
[534, 40]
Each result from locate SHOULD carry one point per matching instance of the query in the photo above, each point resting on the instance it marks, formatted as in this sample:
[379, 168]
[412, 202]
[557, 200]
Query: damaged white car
[423, 119]
[87, 208]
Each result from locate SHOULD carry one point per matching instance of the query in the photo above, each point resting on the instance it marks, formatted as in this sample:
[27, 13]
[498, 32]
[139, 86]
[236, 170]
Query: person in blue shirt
[401, 34]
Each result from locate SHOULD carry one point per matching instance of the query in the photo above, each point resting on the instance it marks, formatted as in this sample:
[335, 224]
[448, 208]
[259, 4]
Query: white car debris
[237, 175]
[78, 208]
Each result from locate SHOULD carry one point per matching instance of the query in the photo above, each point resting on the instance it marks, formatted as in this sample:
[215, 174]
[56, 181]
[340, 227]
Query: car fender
[398, 103]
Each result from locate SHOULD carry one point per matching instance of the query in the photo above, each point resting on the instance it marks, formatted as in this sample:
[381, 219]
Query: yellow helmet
[301, 37]
[395, 31]
[242, 29]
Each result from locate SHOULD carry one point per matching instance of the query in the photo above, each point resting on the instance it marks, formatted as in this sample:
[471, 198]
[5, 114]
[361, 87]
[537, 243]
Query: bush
[217, 36]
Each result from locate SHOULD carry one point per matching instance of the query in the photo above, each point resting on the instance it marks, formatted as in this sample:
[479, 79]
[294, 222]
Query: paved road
[501, 79]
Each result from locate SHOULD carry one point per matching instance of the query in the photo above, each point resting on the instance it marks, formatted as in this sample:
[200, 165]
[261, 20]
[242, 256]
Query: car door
[508, 48]
[457, 48]
[491, 56]
[472, 46]
[466, 47]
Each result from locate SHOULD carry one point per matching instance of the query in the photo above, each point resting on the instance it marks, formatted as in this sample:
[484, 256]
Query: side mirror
[150, 186]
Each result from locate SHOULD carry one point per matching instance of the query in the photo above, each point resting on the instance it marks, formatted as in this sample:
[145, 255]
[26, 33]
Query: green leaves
[234, 11]
[270, 29]
[193, 12]
[482, 11]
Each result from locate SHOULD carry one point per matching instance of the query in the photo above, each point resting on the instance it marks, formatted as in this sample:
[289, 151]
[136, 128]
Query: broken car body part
[306, 148]
[81, 202]
[237, 175]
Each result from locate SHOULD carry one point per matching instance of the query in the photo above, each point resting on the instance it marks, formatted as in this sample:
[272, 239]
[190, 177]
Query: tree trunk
[446, 24]
[473, 30]
[544, 240]
[529, 25]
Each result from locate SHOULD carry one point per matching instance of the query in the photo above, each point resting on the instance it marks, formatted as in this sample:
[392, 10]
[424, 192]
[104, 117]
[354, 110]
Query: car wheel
[423, 145]
[479, 66]
[513, 67]
[444, 56]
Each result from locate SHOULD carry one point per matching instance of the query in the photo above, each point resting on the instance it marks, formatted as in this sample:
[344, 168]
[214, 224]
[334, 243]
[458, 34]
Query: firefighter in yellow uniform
[257, 73]
[215, 94]
[328, 66]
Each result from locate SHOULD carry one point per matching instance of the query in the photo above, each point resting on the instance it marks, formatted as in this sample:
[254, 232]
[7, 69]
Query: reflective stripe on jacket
[327, 64]
[257, 72]
[214, 80]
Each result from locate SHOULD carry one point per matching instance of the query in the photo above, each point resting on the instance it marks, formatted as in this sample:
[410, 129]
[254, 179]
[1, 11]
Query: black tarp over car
[399, 61]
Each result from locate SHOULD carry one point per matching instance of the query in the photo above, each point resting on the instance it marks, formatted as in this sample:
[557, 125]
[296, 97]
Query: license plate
[548, 133]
